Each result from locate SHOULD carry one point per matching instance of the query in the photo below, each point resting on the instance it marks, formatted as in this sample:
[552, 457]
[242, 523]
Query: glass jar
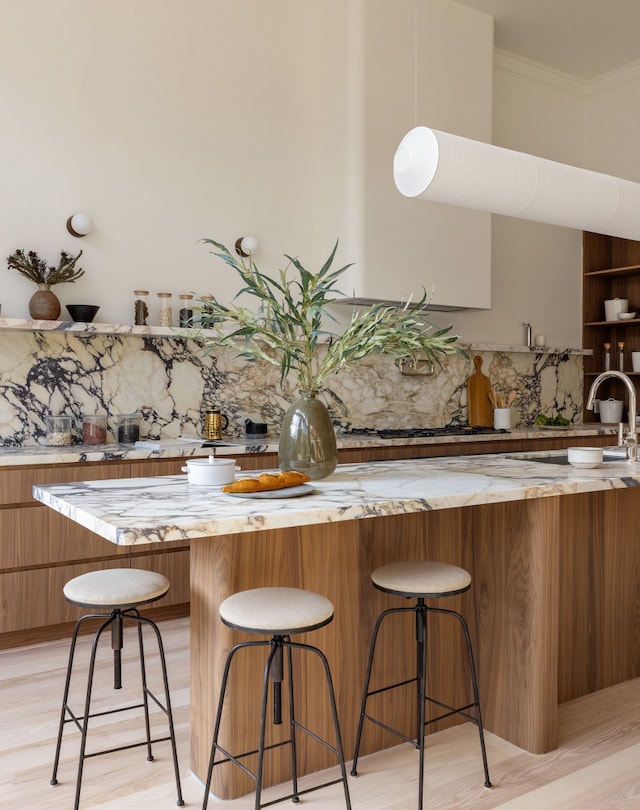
[186, 312]
[165, 315]
[58, 430]
[94, 429]
[129, 428]
[141, 308]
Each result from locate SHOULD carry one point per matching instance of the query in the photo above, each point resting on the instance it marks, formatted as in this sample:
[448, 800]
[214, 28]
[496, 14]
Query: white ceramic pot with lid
[614, 306]
[211, 471]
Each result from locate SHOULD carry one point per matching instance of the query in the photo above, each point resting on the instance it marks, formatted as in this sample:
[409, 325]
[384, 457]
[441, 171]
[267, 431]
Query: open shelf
[611, 269]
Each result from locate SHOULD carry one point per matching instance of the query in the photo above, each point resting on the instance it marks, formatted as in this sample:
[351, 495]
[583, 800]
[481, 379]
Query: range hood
[359, 301]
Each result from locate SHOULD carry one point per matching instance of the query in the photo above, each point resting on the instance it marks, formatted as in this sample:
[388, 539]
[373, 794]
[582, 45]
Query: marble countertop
[151, 510]
[17, 456]
[75, 453]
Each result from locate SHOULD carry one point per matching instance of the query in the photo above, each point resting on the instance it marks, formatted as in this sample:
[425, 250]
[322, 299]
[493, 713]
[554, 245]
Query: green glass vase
[308, 439]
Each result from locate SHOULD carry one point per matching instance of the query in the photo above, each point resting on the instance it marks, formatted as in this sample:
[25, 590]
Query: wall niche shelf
[73, 327]
[610, 269]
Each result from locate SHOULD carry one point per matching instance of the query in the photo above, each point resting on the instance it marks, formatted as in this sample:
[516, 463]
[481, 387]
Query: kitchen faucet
[630, 440]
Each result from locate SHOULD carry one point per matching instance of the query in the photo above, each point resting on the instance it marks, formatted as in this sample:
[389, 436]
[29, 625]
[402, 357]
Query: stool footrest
[235, 758]
[114, 620]
[301, 792]
[126, 747]
[421, 611]
[277, 645]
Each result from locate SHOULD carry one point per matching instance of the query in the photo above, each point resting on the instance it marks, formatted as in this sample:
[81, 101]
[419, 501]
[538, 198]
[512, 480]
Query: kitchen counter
[552, 551]
[168, 508]
[14, 456]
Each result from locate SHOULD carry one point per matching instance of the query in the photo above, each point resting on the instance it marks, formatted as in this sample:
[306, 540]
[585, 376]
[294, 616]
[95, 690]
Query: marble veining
[171, 381]
[148, 510]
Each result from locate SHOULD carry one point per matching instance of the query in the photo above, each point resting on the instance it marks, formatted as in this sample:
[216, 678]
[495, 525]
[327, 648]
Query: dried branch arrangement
[31, 266]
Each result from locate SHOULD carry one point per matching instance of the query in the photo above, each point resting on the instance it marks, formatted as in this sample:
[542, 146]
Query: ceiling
[583, 38]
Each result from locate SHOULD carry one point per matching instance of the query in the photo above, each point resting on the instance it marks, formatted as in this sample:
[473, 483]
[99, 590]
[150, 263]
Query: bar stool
[116, 594]
[279, 613]
[421, 580]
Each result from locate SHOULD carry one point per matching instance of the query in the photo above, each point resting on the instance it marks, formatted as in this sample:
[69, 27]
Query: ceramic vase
[44, 304]
[308, 438]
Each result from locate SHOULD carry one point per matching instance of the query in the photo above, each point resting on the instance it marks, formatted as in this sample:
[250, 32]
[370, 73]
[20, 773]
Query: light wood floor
[596, 767]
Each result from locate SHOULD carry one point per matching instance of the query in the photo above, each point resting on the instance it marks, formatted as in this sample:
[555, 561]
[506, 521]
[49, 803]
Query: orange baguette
[268, 481]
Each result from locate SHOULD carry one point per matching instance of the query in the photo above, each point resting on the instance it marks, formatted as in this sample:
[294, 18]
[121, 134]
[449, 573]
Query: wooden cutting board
[479, 385]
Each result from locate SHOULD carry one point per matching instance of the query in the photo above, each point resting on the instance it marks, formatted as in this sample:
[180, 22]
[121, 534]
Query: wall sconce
[79, 224]
[449, 169]
[246, 245]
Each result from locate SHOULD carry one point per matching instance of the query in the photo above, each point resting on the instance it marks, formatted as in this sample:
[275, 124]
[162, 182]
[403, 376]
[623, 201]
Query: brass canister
[214, 423]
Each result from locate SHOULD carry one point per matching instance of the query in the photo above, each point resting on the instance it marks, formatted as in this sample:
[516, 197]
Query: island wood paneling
[554, 612]
[599, 592]
[513, 556]
[512, 552]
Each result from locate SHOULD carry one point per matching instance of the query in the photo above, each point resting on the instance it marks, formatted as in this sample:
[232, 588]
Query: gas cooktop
[422, 432]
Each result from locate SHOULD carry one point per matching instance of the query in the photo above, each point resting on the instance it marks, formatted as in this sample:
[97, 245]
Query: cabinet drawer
[37, 537]
[34, 598]
[16, 482]
[173, 466]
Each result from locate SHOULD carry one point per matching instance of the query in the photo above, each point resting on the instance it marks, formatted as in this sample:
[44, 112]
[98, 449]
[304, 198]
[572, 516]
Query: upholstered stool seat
[420, 580]
[116, 593]
[278, 613]
[116, 588]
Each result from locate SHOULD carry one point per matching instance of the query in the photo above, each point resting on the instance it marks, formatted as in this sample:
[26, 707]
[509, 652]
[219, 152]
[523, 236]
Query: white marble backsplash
[170, 381]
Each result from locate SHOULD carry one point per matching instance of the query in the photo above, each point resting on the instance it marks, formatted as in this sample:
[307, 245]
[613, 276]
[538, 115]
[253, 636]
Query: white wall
[167, 122]
[536, 268]
[175, 120]
[612, 119]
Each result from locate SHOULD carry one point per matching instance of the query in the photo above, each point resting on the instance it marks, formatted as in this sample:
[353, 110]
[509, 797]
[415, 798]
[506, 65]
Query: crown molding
[526, 68]
[627, 73]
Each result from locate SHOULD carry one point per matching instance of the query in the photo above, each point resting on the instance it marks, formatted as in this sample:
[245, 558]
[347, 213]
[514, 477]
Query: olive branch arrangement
[288, 328]
[31, 266]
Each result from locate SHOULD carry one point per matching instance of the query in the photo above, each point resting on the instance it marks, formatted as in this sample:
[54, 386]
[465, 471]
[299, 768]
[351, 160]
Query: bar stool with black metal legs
[114, 595]
[422, 580]
[279, 613]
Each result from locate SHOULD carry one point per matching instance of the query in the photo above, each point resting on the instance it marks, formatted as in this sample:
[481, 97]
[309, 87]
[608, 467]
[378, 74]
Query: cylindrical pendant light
[447, 168]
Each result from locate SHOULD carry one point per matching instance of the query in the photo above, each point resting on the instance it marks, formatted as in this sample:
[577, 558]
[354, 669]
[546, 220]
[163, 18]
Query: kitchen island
[40, 550]
[554, 608]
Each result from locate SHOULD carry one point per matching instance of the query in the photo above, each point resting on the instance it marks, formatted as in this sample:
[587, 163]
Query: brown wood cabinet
[40, 550]
[611, 269]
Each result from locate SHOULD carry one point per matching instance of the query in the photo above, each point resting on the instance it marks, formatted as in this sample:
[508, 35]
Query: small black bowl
[83, 313]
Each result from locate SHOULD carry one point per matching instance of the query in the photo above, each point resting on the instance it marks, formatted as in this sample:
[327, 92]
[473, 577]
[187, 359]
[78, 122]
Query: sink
[609, 454]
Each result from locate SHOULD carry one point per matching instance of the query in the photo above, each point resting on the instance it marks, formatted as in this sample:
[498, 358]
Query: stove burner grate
[424, 432]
